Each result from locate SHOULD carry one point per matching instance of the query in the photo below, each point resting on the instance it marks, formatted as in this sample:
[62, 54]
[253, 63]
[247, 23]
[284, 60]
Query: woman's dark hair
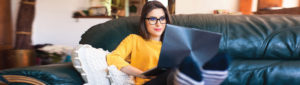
[148, 7]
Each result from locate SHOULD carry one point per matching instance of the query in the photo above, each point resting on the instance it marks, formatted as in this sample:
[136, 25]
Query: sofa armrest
[53, 74]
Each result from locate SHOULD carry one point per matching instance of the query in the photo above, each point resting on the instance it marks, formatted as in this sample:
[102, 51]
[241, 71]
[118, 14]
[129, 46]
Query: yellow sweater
[137, 52]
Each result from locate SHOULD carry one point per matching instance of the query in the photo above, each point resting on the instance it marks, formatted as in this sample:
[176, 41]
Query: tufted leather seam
[226, 34]
[268, 39]
[265, 77]
[297, 47]
[297, 50]
[252, 74]
[274, 64]
[249, 79]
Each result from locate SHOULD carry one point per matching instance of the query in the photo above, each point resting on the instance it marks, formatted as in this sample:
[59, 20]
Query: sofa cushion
[245, 37]
[283, 44]
[263, 72]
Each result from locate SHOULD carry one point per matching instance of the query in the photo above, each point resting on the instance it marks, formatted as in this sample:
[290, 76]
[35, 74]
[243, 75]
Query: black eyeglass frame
[156, 20]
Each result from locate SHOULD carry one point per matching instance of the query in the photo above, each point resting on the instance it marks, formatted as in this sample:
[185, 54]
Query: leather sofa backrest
[243, 36]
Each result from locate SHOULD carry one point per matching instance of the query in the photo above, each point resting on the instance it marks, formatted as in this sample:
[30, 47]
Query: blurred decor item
[171, 6]
[20, 58]
[266, 4]
[81, 13]
[245, 6]
[50, 54]
[6, 31]
[101, 3]
[118, 7]
[223, 11]
[135, 7]
[290, 11]
[23, 54]
[24, 24]
[98, 11]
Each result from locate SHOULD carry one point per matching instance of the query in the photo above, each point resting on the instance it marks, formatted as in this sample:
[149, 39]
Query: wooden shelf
[92, 17]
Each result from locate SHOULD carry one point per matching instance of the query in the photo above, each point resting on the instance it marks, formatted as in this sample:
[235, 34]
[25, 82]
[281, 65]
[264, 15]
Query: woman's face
[156, 22]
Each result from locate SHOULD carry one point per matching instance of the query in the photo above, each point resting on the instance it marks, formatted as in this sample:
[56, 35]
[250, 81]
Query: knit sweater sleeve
[118, 56]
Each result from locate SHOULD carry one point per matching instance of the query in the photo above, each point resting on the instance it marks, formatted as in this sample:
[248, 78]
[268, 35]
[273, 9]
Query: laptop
[180, 42]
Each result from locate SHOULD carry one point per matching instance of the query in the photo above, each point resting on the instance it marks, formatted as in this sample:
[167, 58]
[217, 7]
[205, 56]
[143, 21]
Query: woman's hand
[135, 72]
[142, 76]
[132, 71]
[146, 77]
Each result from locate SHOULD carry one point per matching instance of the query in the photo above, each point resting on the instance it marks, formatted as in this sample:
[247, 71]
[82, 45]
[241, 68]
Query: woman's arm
[133, 71]
[118, 56]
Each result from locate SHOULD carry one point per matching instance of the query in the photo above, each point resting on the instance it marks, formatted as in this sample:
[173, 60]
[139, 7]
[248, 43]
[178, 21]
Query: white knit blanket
[91, 63]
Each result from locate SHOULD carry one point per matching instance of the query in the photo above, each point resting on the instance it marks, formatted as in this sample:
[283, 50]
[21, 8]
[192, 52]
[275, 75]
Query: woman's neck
[156, 38]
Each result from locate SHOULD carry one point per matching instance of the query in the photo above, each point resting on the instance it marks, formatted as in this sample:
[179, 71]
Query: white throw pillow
[92, 65]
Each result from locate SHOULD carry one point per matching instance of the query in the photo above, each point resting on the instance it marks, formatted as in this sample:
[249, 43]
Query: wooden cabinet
[6, 37]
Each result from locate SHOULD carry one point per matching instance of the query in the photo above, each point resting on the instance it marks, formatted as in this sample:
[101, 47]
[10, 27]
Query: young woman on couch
[139, 53]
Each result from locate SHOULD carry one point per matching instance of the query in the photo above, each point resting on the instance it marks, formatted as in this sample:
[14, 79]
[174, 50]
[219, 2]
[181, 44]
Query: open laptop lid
[180, 42]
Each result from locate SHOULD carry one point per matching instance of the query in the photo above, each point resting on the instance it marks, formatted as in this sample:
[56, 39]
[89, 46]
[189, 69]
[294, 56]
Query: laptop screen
[180, 42]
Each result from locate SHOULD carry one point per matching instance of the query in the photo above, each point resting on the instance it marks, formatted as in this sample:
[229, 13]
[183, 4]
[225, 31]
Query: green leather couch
[265, 49]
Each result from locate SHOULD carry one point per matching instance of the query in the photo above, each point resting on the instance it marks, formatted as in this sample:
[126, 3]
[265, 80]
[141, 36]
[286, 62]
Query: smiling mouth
[157, 29]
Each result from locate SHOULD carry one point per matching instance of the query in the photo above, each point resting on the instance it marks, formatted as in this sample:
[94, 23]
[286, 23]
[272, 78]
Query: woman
[139, 53]
[142, 51]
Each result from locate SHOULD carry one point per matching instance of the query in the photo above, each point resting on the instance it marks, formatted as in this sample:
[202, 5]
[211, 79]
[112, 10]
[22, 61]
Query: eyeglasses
[153, 20]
